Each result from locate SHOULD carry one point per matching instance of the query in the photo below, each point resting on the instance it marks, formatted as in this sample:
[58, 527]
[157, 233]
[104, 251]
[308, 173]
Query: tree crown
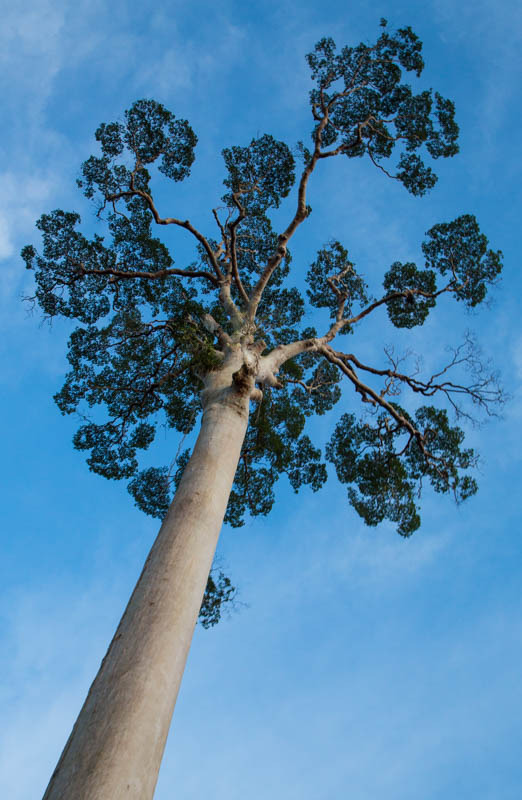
[152, 334]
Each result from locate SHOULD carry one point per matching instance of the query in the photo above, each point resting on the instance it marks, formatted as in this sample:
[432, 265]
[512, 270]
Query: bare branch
[368, 394]
[484, 391]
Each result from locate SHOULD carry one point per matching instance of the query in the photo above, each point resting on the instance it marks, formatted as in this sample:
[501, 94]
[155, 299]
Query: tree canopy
[149, 331]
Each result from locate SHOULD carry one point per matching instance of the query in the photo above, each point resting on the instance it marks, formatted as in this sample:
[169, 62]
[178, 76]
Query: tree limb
[168, 220]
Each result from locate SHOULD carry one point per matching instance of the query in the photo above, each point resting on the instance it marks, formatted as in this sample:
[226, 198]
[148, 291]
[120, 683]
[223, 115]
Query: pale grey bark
[117, 743]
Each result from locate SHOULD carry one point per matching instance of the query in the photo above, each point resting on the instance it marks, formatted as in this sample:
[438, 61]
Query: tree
[162, 344]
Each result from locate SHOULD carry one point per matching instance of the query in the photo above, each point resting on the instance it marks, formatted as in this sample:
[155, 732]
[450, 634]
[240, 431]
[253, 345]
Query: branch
[234, 314]
[395, 295]
[168, 220]
[269, 365]
[368, 394]
[214, 327]
[222, 231]
[483, 392]
[162, 273]
[300, 215]
[233, 252]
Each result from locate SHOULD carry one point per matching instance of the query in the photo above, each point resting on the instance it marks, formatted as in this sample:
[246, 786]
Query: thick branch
[169, 221]
[300, 215]
[225, 297]
[269, 365]
[162, 273]
[367, 393]
[214, 327]
[484, 391]
[233, 250]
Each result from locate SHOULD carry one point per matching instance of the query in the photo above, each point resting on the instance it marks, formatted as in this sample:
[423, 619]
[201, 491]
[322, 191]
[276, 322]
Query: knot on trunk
[243, 379]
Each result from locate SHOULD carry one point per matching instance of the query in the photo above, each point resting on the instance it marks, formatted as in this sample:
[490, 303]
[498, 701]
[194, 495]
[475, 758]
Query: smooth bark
[117, 743]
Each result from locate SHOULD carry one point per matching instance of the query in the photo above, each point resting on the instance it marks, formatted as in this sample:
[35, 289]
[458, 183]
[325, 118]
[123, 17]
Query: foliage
[219, 591]
[406, 312]
[459, 248]
[373, 112]
[385, 473]
[263, 173]
[332, 274]
[151, 334]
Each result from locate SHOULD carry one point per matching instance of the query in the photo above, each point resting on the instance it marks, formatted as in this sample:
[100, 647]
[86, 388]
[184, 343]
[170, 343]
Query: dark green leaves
[113, 446]
[332, 278]
[151, 491]
[274, 445]
[413, 173]
[134, 369]
[256, 241]
[459, 249]
[260, 174]
[413, 308]
[219, 591]
[456, 250]
[133, 241]
[150, 132]
[61, 287]
[316, 391]
[441, 141]
[82, 279]
[384, 464]
[364, 108]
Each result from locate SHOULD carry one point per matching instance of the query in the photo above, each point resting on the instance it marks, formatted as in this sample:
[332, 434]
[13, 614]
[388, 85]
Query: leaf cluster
[371, 111]
[459, 249]
[219, 591]
[384, 465]
[149, 133]
[456, 251]
[332, 278]
[259, 175]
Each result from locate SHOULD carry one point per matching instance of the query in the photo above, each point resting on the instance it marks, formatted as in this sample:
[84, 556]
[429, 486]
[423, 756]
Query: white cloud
[23, 196]
[187, 63]
[6, 245]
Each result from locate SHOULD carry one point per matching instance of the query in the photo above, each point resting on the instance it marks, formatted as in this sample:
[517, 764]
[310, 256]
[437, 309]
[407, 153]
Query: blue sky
[360, 665]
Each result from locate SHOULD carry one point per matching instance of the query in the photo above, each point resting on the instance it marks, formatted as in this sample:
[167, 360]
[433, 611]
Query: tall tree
[163, 344]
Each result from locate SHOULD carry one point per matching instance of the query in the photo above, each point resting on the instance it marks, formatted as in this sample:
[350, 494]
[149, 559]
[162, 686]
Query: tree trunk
[116, 745]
